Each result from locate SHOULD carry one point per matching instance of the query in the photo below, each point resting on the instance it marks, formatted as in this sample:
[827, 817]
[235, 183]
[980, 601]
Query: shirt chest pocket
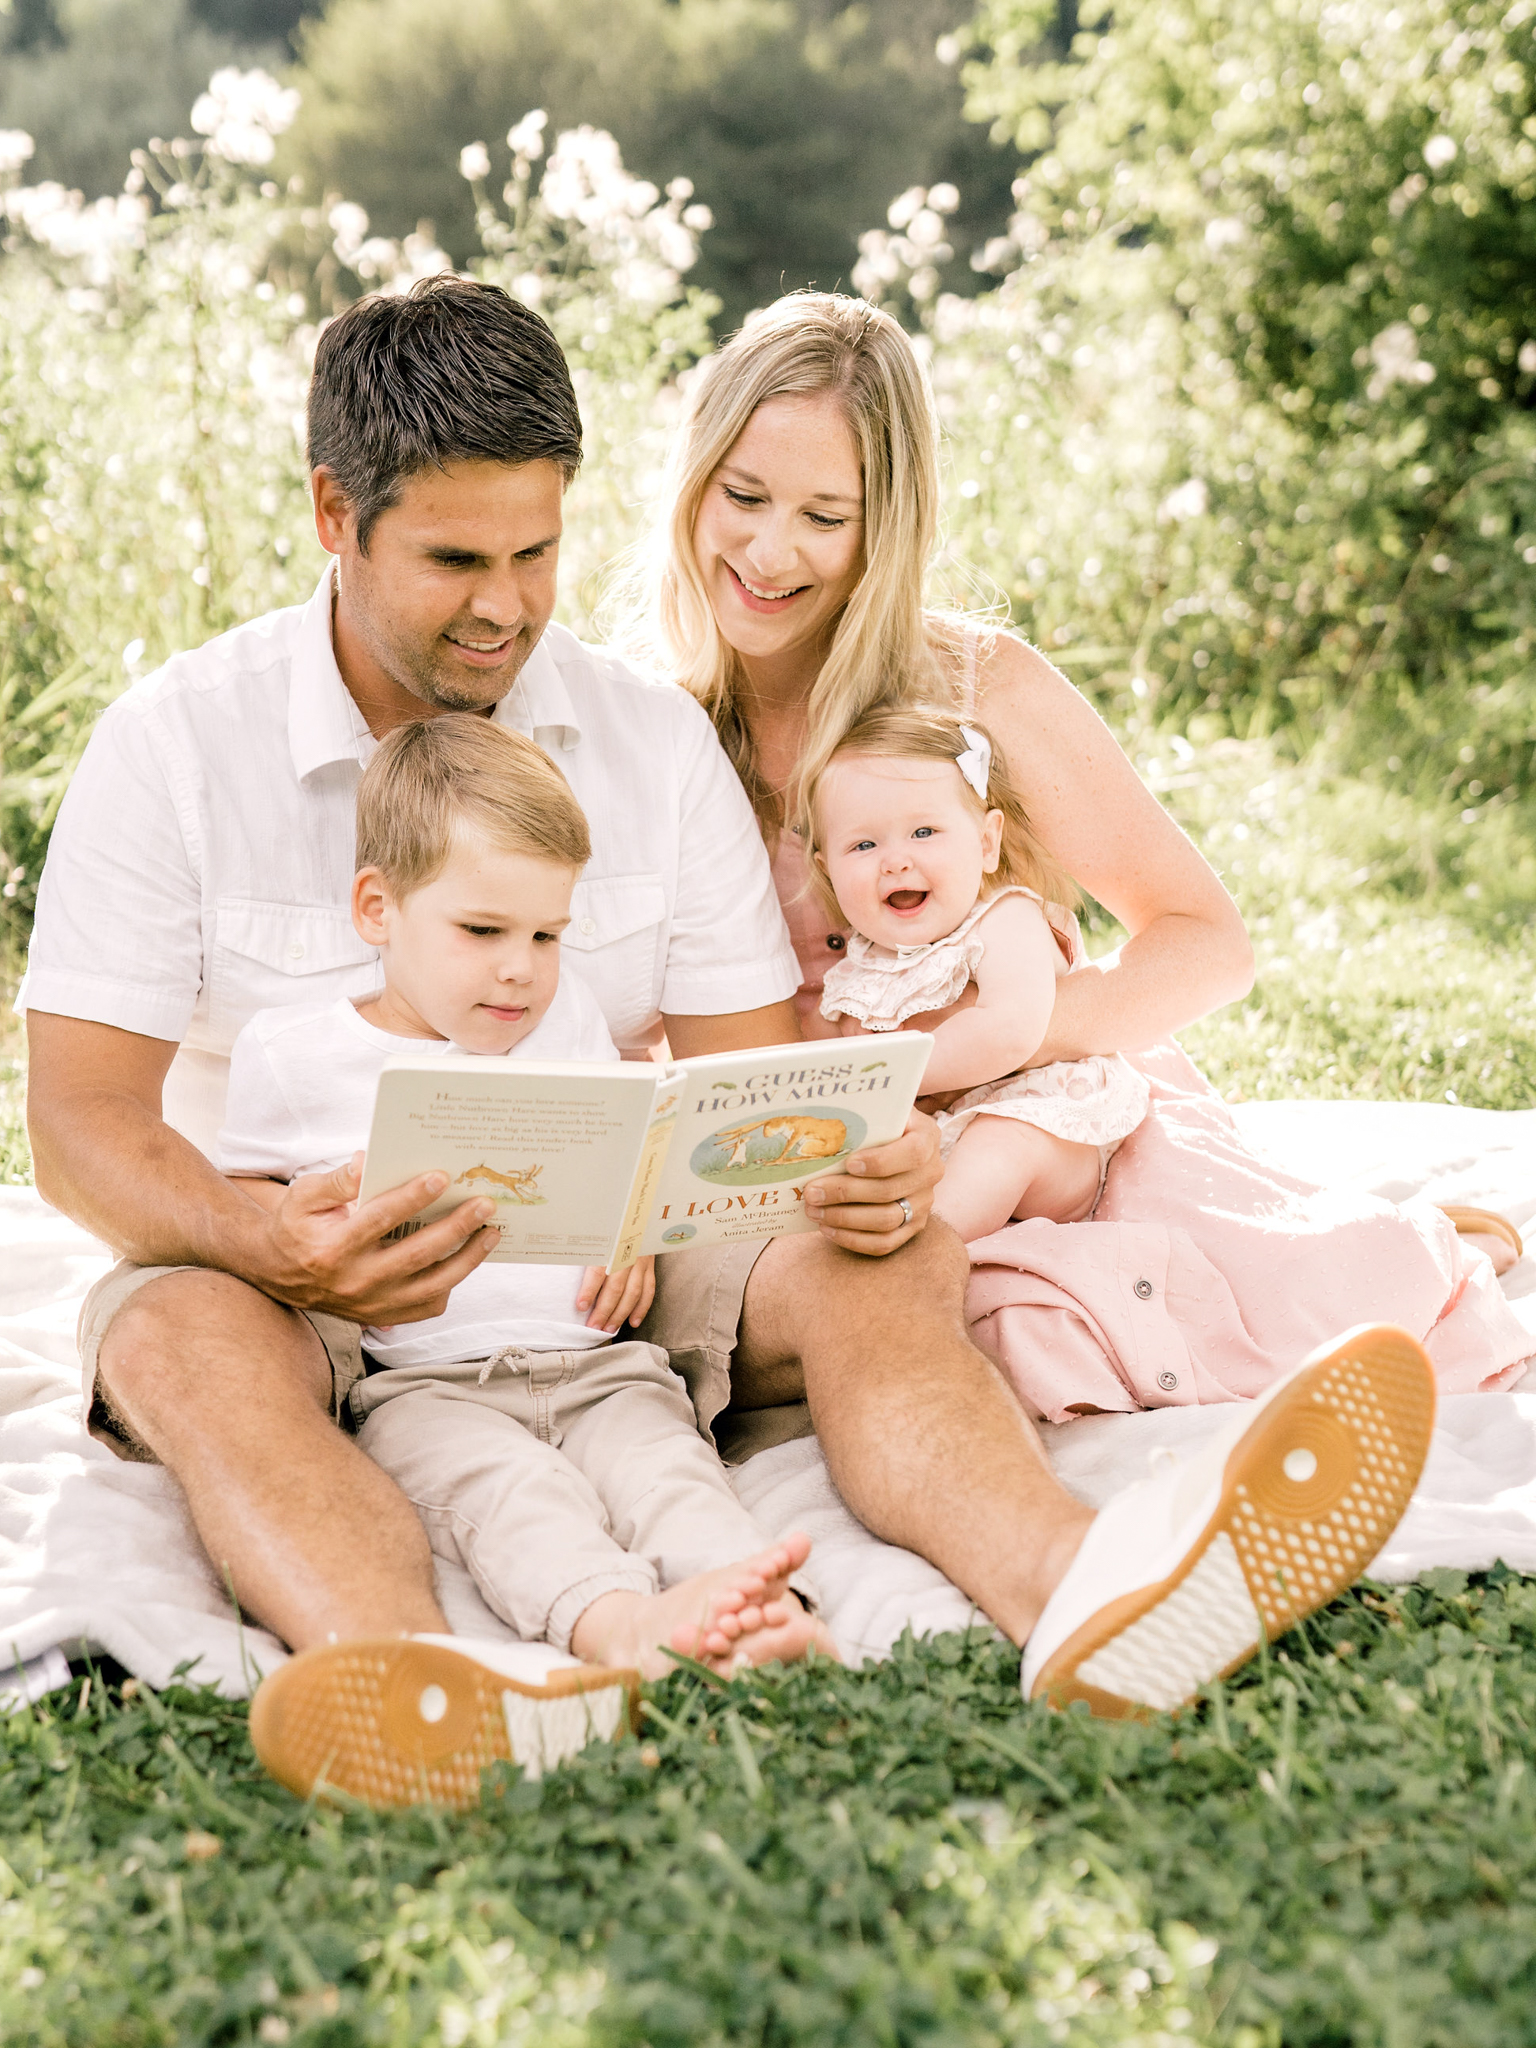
[615, 942]
[266, 955]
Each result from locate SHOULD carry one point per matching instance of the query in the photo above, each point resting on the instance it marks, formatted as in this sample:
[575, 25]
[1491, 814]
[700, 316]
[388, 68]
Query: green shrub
[1264, 369]
[92, 80]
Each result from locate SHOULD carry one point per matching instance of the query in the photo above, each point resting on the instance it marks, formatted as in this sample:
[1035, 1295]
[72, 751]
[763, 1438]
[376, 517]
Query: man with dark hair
[200, 871]
[453, 367]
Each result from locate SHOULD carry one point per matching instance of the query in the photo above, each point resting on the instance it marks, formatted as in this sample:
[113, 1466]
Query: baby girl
[959, 929]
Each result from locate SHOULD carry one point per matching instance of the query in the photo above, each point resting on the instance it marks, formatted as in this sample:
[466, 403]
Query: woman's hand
[860, 1208]
[617, 1298]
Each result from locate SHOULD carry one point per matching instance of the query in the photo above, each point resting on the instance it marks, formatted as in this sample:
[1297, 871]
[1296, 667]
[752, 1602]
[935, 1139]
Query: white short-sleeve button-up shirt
[201, 865]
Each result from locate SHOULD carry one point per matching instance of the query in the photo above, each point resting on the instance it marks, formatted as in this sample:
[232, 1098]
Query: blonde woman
[784, 590]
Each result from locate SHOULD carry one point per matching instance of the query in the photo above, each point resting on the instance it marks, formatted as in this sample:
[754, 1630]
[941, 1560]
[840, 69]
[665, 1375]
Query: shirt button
[1143, 1288]
[587, 927]
[1167, 1381]
[836, 941]
[295, 952]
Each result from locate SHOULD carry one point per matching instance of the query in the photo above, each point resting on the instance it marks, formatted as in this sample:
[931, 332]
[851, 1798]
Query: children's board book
[597, 1164]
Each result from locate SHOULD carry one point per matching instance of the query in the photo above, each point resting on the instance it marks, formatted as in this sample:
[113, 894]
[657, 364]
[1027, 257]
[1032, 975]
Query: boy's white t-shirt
[301, 1089]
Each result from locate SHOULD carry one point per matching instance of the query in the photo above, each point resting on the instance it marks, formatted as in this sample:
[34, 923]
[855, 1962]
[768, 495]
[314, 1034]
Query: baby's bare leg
[1002, 1170]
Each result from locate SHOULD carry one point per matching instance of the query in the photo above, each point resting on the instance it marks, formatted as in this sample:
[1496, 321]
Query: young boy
[563, 1469]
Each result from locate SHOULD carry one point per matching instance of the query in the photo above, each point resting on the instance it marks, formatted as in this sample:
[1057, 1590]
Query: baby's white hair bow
[975, 764]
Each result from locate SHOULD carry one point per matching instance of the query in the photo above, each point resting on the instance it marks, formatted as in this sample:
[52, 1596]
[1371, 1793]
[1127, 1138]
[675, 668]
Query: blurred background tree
[91, 80]
[1308, 227]
[797, 120]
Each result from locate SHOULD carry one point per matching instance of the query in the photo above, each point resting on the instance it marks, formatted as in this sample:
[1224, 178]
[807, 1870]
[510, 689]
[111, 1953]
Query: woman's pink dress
[1205, 1271]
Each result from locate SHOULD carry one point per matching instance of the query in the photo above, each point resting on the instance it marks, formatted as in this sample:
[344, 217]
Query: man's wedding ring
[906, 1211]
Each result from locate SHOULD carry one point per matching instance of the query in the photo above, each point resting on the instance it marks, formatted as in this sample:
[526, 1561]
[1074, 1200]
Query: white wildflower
[698, 218]
[1395, 352]
[1188, 501]
[1411, 189]
[998, 253]
[943, 198]
[926, 230]
[16, 148]
[241, 113]
[902, 211]
[585, 179]
[94, 236]
[878, 264]
[378, 257]
[680, 189]
[474, 162]
[349, 223]
[1439, 151]
[674, 245]
[527, 137]
[644, 281]
[420, 256]
[1223, 234]
[1029, 232]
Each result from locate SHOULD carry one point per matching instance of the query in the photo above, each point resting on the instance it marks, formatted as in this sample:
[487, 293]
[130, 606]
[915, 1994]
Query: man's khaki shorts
[695, 1319]
[342, 1342]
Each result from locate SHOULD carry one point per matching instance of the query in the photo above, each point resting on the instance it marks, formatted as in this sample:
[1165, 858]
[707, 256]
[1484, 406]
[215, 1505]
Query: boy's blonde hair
[434, 778]
[920, 732]
[805, 345]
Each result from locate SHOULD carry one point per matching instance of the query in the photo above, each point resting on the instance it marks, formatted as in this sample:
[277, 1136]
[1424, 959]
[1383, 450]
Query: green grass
[1337, 1848]
[1395, 959]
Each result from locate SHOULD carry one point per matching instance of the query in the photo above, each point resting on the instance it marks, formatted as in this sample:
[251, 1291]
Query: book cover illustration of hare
[521, 1185]
[777, 1148]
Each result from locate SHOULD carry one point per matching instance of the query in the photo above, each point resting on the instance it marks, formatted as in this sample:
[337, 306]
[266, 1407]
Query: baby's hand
[615, 1298]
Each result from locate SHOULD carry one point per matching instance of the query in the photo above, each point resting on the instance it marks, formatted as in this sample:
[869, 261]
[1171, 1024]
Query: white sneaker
[1181, 1576]
[415, 1719]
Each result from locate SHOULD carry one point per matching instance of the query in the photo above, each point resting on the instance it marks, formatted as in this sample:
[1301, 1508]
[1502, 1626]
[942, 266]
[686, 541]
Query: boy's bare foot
[743, 1613]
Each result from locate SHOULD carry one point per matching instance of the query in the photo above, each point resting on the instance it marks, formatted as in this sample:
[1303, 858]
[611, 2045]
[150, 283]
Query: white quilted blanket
[97, 1552]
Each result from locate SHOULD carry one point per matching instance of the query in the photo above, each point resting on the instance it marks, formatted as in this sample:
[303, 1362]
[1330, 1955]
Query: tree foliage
[1309, 226]
[92, 80]
[796, 120]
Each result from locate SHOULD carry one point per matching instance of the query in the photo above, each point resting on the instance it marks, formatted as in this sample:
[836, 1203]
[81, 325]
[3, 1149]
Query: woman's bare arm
[1188, 952]
[1015, 994]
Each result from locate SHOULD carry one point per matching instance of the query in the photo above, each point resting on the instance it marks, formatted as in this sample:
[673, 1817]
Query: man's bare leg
[231, 1392]
[924, 1440]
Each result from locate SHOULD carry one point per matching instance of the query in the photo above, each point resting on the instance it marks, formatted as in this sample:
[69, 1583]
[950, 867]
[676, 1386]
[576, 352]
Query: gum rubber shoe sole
[1483, 1223]
[402, 1723]
[1309, 1495]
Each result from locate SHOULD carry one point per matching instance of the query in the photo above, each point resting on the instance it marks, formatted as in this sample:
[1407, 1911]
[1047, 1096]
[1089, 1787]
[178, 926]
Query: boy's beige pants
[557, 1476]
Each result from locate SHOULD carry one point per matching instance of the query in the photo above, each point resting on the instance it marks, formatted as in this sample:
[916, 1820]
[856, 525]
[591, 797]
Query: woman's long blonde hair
[805, 344]
[924, 732]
